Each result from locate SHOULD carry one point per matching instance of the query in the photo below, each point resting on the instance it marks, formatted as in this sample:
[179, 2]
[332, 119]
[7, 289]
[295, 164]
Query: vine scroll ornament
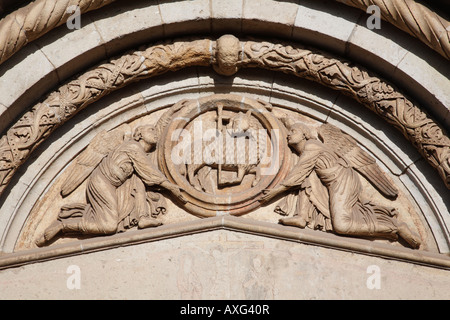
[227, 55]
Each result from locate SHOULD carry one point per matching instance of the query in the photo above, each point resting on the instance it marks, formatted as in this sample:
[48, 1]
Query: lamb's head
[240, 123]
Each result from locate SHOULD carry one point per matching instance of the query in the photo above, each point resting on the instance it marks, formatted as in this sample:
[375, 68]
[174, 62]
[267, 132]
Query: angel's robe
[115, 191]
[349, 215]
[309, 202]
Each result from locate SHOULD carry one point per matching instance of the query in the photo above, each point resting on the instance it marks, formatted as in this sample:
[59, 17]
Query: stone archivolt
[39, 17]
[36, 19]
[129, 181]
[227, 55]
[413, 18]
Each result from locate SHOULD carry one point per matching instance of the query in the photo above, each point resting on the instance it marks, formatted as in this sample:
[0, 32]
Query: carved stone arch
[424, 133]
[37, 18]
[388, 51]
[93, 85]
[273, 56]
[111, 111]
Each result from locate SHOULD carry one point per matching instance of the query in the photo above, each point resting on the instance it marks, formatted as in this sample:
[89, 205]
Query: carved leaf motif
[377, 95]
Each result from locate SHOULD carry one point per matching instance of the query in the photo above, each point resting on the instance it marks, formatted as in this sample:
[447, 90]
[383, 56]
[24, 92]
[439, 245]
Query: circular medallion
[223, 151]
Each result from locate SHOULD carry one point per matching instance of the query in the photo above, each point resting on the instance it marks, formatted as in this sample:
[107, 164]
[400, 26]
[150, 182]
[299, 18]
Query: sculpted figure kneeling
[332, 164]
[116, 187]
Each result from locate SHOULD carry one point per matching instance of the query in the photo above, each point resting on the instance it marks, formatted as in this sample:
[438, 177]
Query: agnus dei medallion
[227, 154]
[224, 151]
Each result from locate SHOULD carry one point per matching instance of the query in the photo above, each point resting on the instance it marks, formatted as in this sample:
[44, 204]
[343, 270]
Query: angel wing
[347, 148]
[167, 117]
[102, 144]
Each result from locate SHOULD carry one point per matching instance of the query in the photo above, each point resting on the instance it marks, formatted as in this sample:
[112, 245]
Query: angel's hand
[177, 192]
[174, 189]
[268, 194]
[182, 198]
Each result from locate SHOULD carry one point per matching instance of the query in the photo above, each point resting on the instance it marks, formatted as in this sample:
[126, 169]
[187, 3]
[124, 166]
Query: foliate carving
[39, 17]
[35, 126]
[25, 135]
[382, 98]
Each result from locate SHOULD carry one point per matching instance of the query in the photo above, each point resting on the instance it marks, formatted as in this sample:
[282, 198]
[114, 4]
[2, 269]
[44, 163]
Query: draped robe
[348, 213]
[116, 193]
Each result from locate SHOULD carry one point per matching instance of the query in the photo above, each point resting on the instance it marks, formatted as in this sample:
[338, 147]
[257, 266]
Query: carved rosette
[205, 147]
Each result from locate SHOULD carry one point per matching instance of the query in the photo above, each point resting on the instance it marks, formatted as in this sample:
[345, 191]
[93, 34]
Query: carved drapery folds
[328, 191]
[225, 154]
[227, 56]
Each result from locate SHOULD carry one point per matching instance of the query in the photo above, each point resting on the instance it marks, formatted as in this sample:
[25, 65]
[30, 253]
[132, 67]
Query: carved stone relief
[412, 17]
[226, 55]
[39, 17]
[223, 151]
[36, 19]
[329, 192]
[223, 154]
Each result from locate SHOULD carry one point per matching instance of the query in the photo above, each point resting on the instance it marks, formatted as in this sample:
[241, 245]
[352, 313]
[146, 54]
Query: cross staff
[219, 128]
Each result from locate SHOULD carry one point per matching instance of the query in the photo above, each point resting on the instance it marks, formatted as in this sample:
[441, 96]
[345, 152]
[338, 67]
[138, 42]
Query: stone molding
[230, 223]
[36, 19]
[388, 52]
[39, 17]
[379, 96]
[413, 18]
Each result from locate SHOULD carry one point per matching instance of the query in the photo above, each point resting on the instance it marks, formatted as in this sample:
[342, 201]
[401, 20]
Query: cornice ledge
[230, 223]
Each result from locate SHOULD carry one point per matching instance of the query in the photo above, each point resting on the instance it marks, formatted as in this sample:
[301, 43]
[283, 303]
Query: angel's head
[147, 136]
[298, 133]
